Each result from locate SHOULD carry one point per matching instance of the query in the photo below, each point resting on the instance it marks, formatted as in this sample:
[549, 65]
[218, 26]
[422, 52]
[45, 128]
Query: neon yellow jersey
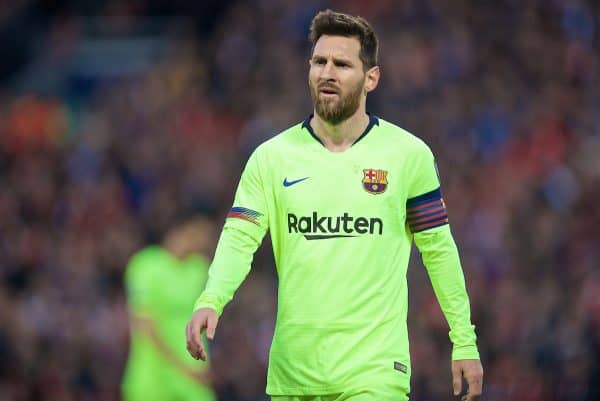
[161, 288]
[342, 225]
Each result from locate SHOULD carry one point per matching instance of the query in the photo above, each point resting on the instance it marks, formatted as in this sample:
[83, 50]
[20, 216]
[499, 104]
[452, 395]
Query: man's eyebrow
[335, 59]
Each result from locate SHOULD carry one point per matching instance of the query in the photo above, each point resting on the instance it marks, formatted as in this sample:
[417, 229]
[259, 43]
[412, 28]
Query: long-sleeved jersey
[342, 225]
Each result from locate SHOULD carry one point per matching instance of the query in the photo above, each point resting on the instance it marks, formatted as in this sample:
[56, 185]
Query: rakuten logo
[325, 227]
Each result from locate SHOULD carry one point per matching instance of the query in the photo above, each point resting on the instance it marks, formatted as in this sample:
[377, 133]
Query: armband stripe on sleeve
[426, 216]
[428, 226]
[426, 197]
[423, 208]
[426, 211]
[243, 213]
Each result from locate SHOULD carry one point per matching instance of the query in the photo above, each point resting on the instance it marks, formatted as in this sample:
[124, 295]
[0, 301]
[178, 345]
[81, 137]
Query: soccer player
[343, 193]
[162, 282]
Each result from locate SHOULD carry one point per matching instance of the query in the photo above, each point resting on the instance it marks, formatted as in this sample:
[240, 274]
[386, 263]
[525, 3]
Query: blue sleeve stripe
[426, 197]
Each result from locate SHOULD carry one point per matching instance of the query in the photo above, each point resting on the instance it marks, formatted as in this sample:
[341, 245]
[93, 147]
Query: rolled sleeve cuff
[465, 352]
[208, 301]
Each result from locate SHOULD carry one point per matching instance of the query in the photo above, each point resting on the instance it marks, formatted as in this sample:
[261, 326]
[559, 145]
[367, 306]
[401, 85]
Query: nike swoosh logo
[287, 183]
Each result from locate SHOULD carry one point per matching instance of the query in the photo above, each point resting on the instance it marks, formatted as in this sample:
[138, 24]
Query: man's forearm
[229, 268]
[441, 259]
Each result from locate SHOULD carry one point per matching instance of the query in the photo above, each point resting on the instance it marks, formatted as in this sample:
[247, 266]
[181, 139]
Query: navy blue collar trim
[373, 120]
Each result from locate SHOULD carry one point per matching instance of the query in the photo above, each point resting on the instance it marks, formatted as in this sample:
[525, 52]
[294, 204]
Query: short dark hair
[329, 22]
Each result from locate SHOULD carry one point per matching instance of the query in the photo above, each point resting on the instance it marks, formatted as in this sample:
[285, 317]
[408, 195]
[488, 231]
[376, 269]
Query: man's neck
[340, 137]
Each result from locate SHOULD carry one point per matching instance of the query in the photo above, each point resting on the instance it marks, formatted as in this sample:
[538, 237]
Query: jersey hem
[276, 390]
[304, 390]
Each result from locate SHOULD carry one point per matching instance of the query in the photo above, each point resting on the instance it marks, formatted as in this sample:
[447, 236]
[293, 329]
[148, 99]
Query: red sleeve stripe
[427, 226]
[429, 218]
[414, 209]
[439, 212]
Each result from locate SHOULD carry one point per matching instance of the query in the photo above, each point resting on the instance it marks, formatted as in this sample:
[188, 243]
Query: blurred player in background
[162, 283]
[343, 194]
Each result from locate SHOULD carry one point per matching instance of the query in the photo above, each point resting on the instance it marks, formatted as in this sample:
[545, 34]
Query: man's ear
[372, 78]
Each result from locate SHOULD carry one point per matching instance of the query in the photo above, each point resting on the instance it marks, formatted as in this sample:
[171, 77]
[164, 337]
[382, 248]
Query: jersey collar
[373, 120]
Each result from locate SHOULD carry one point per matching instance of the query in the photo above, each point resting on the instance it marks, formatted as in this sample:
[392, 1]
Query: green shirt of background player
[342, 246]
[161, 283]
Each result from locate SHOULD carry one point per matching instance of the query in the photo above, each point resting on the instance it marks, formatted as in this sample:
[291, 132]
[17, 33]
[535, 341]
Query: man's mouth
[328, 91]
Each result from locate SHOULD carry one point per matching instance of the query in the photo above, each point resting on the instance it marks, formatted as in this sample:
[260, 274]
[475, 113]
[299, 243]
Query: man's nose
[328, 71]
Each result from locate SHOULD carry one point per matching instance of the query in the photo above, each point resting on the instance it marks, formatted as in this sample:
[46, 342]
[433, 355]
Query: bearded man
[344, 194]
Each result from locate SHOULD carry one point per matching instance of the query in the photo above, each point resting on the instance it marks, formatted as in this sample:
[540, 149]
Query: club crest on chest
[375, 181]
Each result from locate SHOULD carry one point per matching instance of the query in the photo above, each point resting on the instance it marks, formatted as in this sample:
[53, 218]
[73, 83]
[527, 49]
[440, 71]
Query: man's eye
[320, 61]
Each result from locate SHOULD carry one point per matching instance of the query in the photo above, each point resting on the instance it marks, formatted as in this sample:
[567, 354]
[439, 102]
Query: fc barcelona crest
[375, 181]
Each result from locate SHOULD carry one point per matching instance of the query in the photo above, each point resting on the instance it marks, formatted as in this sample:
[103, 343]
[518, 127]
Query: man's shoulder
[401, 137]
[280, 143]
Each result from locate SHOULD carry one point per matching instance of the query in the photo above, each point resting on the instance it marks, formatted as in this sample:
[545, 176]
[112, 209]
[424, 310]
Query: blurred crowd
[116, 119]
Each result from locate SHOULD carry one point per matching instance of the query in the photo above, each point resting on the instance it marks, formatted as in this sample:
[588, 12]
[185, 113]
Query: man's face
[336, 78]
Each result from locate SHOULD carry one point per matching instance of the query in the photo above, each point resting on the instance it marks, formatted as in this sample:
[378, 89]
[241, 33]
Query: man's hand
[472, 371]
[203, 318]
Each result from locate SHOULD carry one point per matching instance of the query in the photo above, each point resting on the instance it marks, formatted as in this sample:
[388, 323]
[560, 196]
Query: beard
[336, 110]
